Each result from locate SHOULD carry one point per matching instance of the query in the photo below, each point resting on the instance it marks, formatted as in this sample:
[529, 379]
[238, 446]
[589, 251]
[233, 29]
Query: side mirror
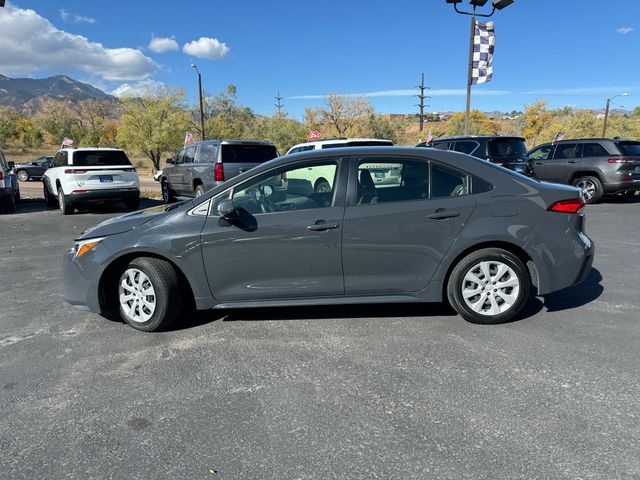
[171, 161]
[226, 209]
[11, 165]
[35, 163]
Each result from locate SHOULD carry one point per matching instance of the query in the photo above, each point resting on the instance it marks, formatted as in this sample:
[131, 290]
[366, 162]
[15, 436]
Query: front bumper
[115, 194]
[81, 278]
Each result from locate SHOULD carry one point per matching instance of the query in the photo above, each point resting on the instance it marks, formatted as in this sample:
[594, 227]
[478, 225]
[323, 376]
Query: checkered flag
[484, 42]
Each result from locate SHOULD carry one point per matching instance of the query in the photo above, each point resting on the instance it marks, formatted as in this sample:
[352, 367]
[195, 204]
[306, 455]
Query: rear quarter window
[629, 148]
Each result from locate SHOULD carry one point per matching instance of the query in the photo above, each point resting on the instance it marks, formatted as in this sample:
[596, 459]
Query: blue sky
[569, 52]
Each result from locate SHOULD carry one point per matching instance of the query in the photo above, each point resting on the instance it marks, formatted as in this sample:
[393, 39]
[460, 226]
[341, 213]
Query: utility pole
[606, 112]
[278, 105]
[422, 96]
[193, 65]
[467, 109]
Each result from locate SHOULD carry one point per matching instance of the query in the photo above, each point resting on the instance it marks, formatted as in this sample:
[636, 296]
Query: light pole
[193, 65]
[606, 112]
[496, 5]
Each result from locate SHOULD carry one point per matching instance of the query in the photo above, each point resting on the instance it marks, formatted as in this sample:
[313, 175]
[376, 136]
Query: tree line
[155, 125]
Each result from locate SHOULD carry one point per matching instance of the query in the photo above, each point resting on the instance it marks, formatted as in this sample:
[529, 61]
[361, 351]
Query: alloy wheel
[137, 295]
[490, 287]
[589, 189]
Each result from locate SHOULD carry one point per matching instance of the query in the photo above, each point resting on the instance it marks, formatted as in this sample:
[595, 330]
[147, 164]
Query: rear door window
[206, 153]
[566, 150]
[446, 182]
[248, 153]
[593, 150]
[541, 153]
[629, 148]
[100, 158]
[467, 147]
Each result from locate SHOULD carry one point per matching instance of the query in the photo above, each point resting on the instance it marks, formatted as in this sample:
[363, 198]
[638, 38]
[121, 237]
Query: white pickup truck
[9, 188]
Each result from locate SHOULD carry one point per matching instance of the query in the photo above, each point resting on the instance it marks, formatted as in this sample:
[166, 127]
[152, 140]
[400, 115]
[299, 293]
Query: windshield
[507, 148]
[247, 153]
[97, 158]
[629, 148]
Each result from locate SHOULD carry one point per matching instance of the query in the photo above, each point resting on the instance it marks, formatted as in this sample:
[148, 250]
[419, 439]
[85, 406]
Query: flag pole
[470, 72]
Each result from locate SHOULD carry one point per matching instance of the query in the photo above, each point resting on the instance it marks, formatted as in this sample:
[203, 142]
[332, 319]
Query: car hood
[127, 222]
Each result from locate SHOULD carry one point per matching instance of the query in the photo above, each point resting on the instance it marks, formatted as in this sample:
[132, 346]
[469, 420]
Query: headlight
[83, 246]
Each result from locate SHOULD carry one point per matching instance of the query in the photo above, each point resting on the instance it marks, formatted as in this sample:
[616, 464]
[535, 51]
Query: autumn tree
[8, 120]
[536, 120]
[340, 116]
[154, 124]
[479, 124]
[283, 132]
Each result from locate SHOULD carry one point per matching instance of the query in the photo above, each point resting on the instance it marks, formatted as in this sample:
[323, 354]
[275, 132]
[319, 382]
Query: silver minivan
[203, 165]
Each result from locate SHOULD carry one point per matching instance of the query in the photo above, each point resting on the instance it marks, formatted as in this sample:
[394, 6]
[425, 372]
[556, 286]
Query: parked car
[9, 188]
[33, 170]
[83, 176]
[598, 166]
[203, 165]
[508, 152]
[455, 227]
[322, 180]
[339, 142]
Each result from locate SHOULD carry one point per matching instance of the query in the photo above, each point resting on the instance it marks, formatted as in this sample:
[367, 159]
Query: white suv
[322, 180]
[87, 175]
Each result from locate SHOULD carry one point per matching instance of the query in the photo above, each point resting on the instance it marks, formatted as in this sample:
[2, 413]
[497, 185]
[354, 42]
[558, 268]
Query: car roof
[231, 142]
[337, 140]
[478, 137]
[91, 149]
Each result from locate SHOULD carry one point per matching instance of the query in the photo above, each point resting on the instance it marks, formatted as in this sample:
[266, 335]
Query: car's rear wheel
[489, 286]
[132, 203]
[66, 207]
[167, 194]
[22, 175]
[322, 186]
[198, 191]
[149, 294]
[591, 188]
[50, 199]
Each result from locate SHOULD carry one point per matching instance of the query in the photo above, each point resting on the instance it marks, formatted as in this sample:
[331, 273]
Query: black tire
[23, 175]
[168, 296]
[66, 207]
[167, 194]
[466, 265]
[132, 203]
[48, 198]
[198, 191]
[7, 203]
[16, 196]
[597, 188]
[322, 186]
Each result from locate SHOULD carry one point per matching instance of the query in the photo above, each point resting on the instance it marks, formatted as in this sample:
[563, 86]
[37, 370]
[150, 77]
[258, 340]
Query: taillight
[1, 175]
[575, 205]
[621, 160]
[218, 172]
[75, 170]
[499, 163]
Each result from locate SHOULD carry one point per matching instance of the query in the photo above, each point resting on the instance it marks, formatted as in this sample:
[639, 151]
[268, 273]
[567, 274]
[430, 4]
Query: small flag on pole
[313, 135]
[559, 137]
[67, 142]
[188, 138]
[430, 138]
[484, 42]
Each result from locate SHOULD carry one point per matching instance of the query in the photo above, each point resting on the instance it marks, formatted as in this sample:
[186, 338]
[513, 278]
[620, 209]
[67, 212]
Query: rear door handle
[321, 225]
[443, 213]
[572, 161]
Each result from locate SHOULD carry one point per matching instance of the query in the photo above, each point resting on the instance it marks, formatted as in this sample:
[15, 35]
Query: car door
[53, 174]
[396, 235]
[174, 173]
[39, 167]
[561, 164]
[284, 240]
[187, 169]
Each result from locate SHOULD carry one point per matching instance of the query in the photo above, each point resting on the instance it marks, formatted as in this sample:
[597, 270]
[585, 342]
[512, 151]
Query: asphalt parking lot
[386, 392]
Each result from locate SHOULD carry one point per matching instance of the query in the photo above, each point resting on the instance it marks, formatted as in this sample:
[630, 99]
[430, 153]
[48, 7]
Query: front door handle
[572, 161]
[321, 225]
[442, 213]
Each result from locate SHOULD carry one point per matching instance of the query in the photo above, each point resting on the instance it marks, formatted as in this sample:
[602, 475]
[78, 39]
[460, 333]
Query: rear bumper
[122, 194]
[618, 187]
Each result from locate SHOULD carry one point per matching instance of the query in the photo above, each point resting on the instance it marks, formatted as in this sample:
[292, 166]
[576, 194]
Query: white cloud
[162, 44]
[66, 16]
[138, 89]
[624, 30]
[30, 43]
[205, 47]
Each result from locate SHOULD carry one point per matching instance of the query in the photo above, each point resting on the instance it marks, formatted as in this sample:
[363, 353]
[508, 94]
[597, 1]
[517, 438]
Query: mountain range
[26, 94]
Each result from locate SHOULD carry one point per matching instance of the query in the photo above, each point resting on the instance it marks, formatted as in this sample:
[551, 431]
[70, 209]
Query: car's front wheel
[22, 175]
[149, 294]
[489, 286]
[50, 199]
[198, 191]
[591, 188]
[132, 203]
[167, 194]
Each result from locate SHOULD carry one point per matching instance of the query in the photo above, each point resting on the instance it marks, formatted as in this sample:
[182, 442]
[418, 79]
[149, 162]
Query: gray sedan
[452, 228]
